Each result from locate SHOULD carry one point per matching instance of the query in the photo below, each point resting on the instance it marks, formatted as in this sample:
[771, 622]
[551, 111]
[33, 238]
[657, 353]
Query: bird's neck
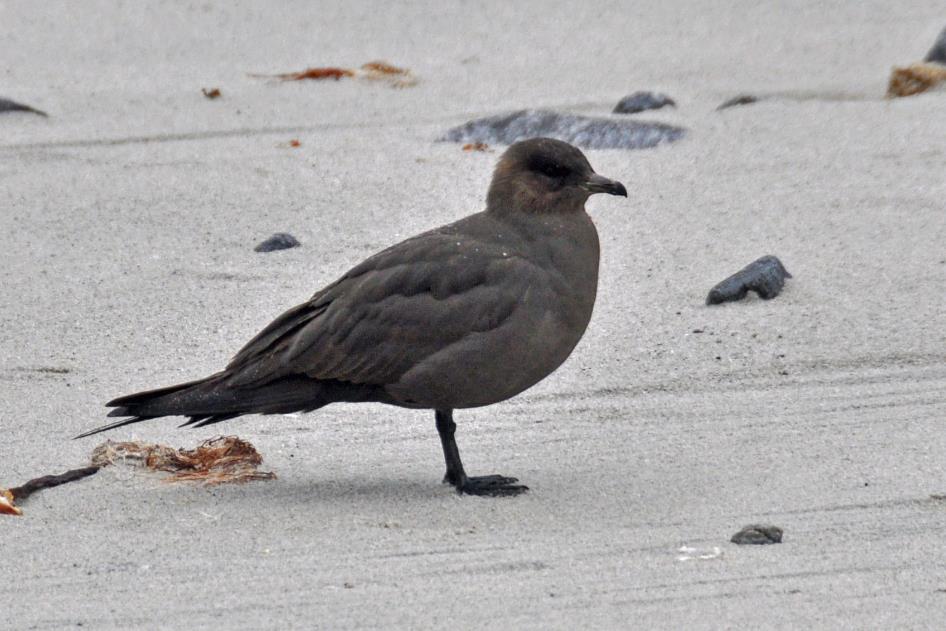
[526, 203]
[508, 194]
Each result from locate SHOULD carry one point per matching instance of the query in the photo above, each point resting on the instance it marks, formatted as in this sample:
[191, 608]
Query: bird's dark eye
[549, 168]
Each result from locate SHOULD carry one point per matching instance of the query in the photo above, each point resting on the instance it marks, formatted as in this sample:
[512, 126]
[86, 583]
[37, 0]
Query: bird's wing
[391, 312]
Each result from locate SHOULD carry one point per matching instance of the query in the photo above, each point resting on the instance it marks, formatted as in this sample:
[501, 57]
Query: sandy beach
[126, 244]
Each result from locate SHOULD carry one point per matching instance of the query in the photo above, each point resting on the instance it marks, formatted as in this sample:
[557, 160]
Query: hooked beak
[600, 184]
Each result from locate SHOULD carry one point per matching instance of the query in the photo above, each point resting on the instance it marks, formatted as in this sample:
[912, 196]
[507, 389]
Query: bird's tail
[212, 400]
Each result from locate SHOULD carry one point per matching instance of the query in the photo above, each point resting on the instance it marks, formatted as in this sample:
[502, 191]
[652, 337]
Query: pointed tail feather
[104, 428]
[140, 398]
[212, 400]
[143, 406]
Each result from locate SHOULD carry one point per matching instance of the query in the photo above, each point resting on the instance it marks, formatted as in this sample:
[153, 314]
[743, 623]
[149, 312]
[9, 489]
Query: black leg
[446, 428]
[495, 485]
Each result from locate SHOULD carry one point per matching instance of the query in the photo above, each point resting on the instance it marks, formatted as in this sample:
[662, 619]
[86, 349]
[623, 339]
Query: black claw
[492, 486]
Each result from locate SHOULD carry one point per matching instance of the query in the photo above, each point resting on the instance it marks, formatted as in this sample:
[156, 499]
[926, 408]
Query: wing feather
[390, 313]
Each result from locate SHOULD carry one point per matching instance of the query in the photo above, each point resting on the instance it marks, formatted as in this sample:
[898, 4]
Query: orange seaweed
[216, 461]
[317, 74]
[915, 79]
[6, 504]
[373, 70]
[382, 67]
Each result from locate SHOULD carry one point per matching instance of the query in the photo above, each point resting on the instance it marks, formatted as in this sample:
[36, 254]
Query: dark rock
[279, 241]
[640, 101]
[584, 131]
[765, 276]
[6, 105]
[758, 534]
[742, 99]
[938, 52]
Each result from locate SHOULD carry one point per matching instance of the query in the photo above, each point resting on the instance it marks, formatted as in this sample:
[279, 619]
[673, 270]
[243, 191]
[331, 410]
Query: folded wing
[390, 313]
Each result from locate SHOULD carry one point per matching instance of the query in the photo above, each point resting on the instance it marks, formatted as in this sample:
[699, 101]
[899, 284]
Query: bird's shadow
[350, 490]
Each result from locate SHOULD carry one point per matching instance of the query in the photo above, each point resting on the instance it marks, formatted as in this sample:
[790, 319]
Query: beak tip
[599, 184]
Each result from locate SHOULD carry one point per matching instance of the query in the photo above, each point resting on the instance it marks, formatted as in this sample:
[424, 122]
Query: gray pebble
[938, 52]
[742, 99]
[279, 241]
[640, 101]
[583, 131]
[6, 105]
[765, 276]
[758, 534]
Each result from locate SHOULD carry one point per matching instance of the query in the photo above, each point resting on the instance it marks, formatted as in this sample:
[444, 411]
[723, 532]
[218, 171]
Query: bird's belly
[492, 366]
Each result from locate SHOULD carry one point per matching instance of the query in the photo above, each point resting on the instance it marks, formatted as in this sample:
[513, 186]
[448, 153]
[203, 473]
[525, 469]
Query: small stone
[765, 276]
[279, 241]
[937, 54]
[640, 101]
[758, 534]
[6, 105]
[742, 99]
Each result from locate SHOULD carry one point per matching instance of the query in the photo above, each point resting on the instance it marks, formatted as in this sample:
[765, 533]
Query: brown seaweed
[224, 459]
[373, 71]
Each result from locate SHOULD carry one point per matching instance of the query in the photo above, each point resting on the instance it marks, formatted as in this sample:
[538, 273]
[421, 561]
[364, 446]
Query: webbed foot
[491, 486]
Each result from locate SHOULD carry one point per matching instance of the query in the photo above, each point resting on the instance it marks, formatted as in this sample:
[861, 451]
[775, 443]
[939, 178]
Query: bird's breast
[551, 314]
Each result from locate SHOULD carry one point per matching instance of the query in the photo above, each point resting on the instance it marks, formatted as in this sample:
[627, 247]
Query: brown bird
[465, 315]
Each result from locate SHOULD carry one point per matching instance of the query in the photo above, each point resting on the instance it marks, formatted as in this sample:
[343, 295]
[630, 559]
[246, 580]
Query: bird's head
[547, 176]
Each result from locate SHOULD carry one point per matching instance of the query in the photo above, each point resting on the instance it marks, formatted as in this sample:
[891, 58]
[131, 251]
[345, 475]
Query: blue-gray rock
[279, 241]
[640, 101]
[6, 105]
[583, 131]
[758, 534]
[938, 52]
[742, 99]
[765, 276]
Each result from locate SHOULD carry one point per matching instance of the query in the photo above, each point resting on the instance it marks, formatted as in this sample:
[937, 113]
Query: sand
[126, 243]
